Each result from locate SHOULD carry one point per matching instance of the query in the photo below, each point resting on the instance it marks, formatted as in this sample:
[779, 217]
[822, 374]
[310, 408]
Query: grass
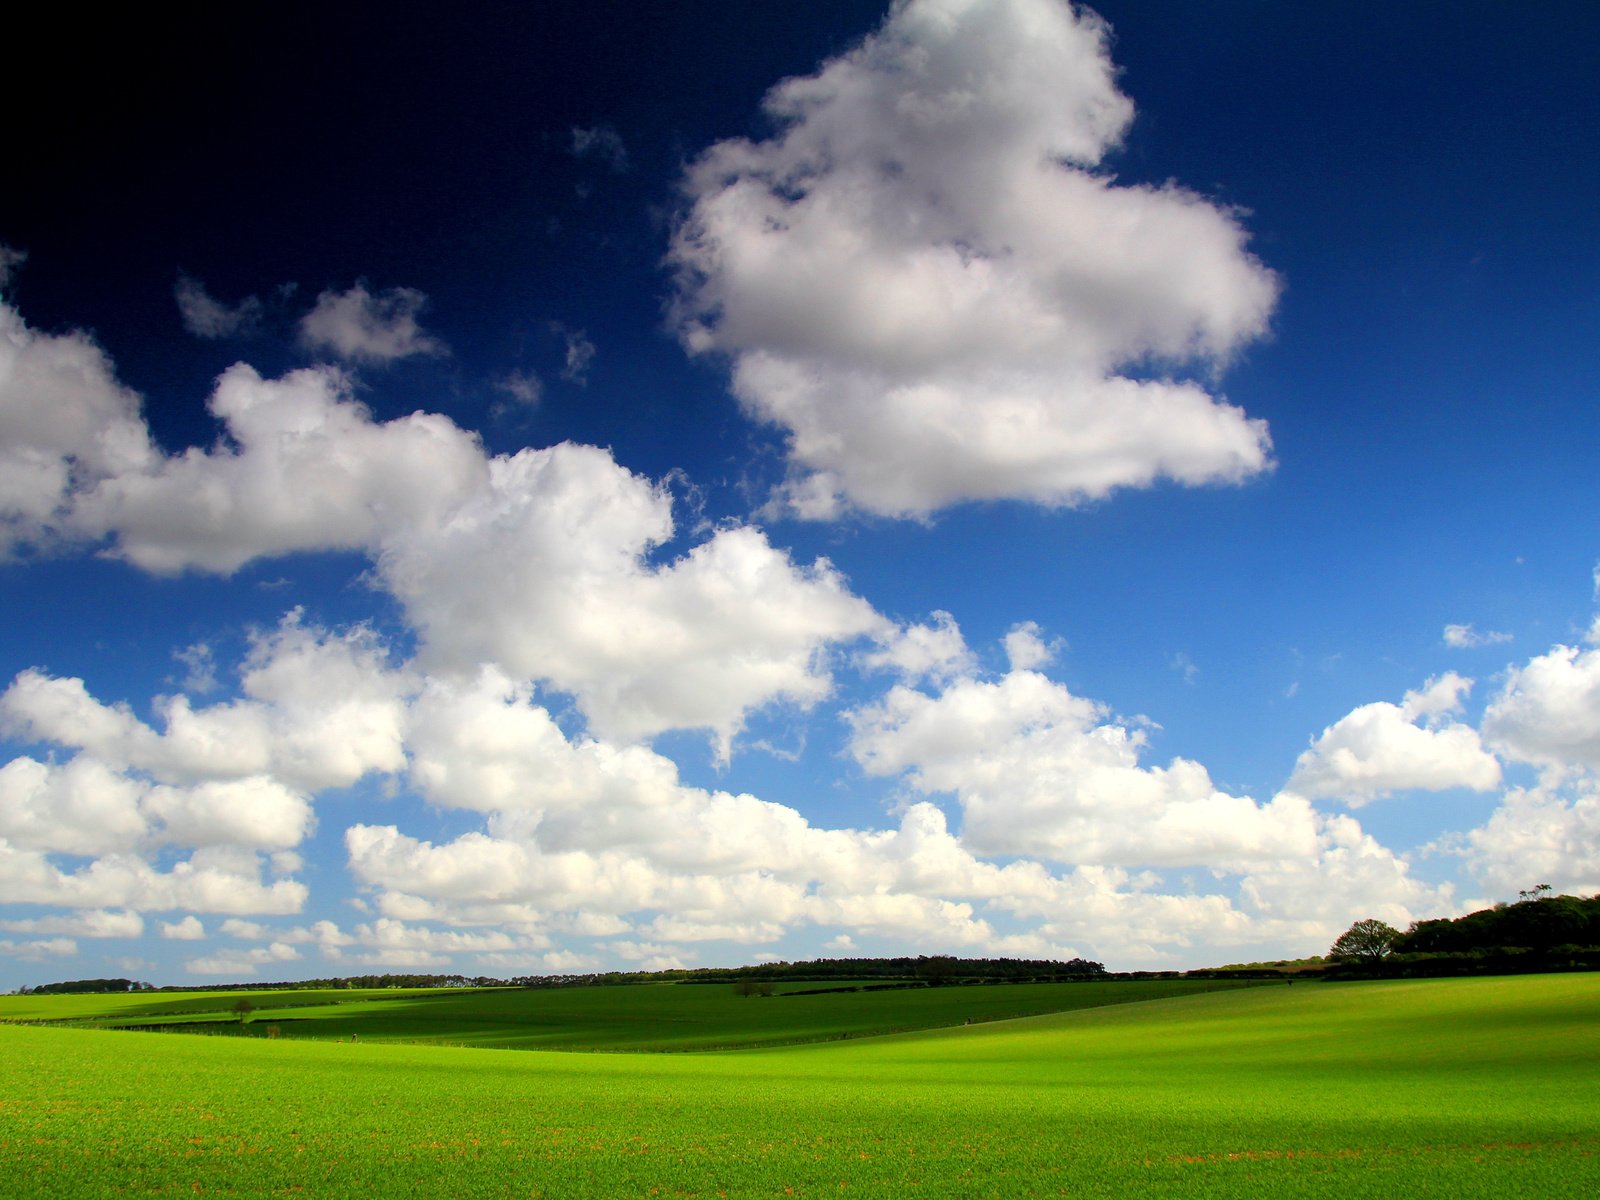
[655, 1018]
[1458, 1088]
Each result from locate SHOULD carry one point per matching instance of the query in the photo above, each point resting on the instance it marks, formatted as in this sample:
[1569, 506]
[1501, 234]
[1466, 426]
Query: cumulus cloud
[1549, 832]
[255, 812]
[1350, 872]
[581, 831]
[1548, 710]
[215, 880]
[318, 710]
[83, 807]
[189, 929]
[1026, 648]
[303, 467]
[925, 279]
[38, 951]
[1381, 748]
[935, 651]
[1041, 772]
[207, 317]
[362, 327]
[545, 573]
[93, 923]
[544, 562]
[66, 423]
[242, 962]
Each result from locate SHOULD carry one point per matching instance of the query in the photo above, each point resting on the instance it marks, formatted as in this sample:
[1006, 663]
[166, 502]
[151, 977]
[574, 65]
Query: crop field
[1450, 1088]
[652, 1018]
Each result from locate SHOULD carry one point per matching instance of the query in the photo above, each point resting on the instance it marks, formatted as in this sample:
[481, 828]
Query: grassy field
[652, 1018]
[1450, 1088]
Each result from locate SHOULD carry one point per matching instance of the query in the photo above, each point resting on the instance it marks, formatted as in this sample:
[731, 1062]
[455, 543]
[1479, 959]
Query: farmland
[641, 1018]
[1468, 1087]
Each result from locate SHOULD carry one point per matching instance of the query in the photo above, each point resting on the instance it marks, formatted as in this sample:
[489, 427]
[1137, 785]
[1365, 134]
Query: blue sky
[532, 491]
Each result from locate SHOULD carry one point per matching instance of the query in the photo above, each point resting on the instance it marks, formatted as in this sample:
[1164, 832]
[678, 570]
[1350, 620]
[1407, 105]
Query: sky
[542, 489]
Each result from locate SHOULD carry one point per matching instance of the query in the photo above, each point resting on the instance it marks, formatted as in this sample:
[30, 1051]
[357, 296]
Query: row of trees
[72, 987]
[933, 970]
[1539, 929]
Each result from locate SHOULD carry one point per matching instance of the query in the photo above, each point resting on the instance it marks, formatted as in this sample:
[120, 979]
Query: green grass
[654, 1018]
[1450, 1088]
[130, 1007]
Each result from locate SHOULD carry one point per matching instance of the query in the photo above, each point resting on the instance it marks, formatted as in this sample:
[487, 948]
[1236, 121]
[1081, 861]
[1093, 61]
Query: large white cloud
[925, 281]
[546, 562]
[1548, 833]
[93, 923]
[319, 710]
[303, 467]
[84, 807]
[65, 424]
[1548, 711]
[1381, 748]
[1039, 771]
[545, 572]
[214, 880]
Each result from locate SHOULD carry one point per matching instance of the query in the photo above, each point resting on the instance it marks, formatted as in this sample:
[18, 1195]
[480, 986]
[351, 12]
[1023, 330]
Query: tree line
[929, 970]
[1540, 932]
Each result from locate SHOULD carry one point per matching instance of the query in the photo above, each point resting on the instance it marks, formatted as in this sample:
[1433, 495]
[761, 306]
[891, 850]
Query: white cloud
[924, 279]
[84, 807]
[187, 930]
[1548, 711]
[1026, 648]
[358, 326]
[524, 387]
[539, 562]
[1041, 772]
[1549, 833]
[324, 934]
[304, 467]
[242, 962]
[319, 710]
[256, 812]
[215, 880]
[545, 573]
[1379, 748]
[206, 317]
[40, 950]
[65, 424]
[935, 651]
[92, 923]
[1465, 637]
[1350, 876]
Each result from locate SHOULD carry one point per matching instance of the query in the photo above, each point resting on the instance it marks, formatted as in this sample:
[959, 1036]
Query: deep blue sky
[1411, 190]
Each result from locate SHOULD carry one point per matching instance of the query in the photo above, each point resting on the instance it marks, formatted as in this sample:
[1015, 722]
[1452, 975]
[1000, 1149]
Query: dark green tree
[1368, 941]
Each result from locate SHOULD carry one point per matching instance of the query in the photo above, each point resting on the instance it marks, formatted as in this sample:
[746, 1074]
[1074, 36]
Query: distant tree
[1368, 941]
[1537, 892]
[244, 1008]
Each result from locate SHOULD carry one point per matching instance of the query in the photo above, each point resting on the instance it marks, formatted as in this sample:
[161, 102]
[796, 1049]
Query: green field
[1450, 1088]
[649, 1018]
